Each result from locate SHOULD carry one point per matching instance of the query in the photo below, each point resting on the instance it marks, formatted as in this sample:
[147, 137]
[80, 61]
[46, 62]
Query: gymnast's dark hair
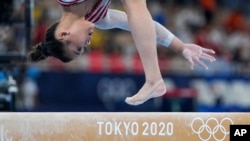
[50, 46]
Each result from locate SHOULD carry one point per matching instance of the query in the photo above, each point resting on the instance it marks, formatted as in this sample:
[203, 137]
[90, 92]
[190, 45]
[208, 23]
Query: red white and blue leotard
[98, 12]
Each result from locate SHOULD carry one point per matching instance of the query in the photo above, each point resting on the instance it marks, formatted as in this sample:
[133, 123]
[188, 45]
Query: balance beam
[118, 126]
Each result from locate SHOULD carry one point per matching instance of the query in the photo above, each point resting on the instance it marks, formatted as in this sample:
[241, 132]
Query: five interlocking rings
[210, 129]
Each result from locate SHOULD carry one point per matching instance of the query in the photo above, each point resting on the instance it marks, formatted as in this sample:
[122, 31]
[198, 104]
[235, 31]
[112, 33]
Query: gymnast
[66, 39]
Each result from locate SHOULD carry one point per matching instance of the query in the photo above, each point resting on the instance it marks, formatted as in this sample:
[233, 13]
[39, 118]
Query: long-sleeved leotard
[118, 19]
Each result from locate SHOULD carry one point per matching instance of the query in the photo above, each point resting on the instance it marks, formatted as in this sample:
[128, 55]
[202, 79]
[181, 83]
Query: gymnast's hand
[194, 53]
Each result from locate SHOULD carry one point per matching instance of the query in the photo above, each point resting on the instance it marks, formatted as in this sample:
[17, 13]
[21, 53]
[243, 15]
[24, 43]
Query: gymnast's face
[76, 37]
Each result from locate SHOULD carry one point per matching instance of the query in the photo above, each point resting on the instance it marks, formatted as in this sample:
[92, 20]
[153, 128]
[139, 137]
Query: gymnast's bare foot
[146, 92]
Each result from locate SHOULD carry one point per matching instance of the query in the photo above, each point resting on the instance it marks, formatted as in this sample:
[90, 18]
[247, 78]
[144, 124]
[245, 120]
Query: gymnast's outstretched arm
[118, 19]
[191, 52]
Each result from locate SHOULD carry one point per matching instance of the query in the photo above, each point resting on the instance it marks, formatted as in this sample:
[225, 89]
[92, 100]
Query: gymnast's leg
[144, 35]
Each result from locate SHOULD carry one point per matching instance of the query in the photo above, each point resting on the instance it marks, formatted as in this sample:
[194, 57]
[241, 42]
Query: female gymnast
[67, 38]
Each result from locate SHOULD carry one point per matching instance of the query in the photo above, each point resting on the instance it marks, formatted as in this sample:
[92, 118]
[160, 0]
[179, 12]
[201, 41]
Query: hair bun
[36, 53]
[44, 50]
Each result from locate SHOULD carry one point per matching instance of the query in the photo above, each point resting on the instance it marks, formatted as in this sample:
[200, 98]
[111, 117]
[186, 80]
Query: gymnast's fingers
[198, 61]
[205, 50]
[207, 57]
[191, 62]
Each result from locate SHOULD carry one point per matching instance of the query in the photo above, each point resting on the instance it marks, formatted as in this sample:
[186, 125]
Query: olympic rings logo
[211, 126]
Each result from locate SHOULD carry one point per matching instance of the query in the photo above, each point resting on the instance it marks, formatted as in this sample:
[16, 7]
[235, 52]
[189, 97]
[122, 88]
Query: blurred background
[110, 70]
